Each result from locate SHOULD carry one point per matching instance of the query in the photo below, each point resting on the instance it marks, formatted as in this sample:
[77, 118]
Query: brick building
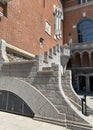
[35, 42]
[35, 27]
[78, 30]
[26, 24]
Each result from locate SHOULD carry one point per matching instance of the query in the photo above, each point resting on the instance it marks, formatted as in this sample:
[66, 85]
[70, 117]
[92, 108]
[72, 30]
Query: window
[12, 103]
[85, 30]
[58, 16]
[47, 28]
[83, 1]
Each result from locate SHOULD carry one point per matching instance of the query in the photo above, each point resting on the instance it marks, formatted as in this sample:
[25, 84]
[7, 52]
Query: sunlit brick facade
[78, 32]
[25, 22]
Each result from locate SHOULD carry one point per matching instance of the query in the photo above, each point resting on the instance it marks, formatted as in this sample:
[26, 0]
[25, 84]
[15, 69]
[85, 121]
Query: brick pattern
[24, 24]
[69, 3]
[73, 16]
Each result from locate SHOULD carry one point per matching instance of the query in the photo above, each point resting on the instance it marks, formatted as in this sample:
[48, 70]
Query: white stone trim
[3, 54]
[20, 51]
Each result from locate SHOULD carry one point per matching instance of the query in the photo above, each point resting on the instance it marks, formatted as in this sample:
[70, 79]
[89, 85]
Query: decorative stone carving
[3, 54]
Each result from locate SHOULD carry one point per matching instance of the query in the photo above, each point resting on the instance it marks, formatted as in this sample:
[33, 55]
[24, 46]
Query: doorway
[82, 83]
[91, 83]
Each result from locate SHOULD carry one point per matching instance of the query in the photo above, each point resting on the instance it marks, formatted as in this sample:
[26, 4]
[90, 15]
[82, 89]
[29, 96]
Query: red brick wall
[69, 3]
[72, 17]
[24, 24]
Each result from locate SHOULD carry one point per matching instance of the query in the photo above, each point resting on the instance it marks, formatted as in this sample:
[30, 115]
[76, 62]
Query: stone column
[81, 60]
[40, 62]
[3, 53]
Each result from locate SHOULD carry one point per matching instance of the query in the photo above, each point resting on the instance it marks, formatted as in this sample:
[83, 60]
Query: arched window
[85, 30]
[12, 103]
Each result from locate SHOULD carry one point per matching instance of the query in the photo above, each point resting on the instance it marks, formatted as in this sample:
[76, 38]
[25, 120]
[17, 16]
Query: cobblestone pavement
[15, 122]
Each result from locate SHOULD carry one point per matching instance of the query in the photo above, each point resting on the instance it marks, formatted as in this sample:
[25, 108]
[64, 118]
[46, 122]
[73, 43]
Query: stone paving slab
[90, 101]
[15, 122]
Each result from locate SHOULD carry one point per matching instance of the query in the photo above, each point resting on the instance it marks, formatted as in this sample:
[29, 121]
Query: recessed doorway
[91, 83]
[82, 83]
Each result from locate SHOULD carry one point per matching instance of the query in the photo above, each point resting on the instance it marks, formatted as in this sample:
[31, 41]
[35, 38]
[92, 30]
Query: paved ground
[90, 101]
[15, 122]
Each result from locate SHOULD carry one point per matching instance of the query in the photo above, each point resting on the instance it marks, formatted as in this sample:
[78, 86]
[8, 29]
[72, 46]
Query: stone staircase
[71, 94]
[49, 65]
[69, 91]
[47, 74]
[54, 95]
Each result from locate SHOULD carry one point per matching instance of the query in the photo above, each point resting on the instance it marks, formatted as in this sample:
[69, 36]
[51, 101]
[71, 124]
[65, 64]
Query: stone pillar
[81, 60]
[40, 61]
[3, 53]
[87, 84]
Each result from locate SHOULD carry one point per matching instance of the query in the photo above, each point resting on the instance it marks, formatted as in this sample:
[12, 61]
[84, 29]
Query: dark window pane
[14, 104]
[3, 100]
[79, 1]
[85, 31]
[27, 111]
[83, 1]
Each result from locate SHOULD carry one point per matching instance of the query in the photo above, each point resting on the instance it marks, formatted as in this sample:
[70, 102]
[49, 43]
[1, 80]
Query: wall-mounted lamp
[84, 14]
[1, 14]
[69, 38]
[41, 41]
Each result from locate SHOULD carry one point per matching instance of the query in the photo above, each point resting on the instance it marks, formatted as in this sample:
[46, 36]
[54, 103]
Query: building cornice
[82, 47]
[19, 51]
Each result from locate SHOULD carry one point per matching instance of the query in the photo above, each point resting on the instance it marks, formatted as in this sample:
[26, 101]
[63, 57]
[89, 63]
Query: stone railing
[83, 46]
[58, 55]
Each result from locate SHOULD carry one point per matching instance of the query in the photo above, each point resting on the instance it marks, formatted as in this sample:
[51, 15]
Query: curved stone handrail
[39, 104]
[69, 91]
